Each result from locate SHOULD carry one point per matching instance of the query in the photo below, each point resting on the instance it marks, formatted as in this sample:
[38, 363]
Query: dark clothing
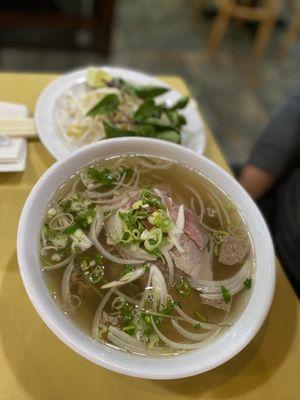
[278, 153]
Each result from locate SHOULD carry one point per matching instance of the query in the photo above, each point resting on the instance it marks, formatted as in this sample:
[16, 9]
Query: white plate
[193, 135]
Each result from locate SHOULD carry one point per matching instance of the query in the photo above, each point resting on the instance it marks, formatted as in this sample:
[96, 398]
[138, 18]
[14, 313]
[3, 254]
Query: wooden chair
[264, 13]
[293, 30]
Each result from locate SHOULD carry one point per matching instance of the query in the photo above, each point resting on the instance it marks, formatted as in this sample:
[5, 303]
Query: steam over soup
[146, 255]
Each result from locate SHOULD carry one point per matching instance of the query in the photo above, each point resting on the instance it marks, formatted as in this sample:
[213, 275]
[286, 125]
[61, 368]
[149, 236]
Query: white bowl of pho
[146, 258]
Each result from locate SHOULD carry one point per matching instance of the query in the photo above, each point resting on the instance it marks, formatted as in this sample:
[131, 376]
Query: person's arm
[276, 152]
[256, 181]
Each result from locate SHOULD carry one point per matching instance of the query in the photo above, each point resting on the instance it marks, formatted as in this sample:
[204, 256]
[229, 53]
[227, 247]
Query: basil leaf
[170, 136]
[105, 106]
[147, 110]
[181, 103]
[149, 92]
[145, 130]
[113, 132]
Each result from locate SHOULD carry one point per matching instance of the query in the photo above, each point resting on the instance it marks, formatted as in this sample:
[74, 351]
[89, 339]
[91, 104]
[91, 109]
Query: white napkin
[13, 152]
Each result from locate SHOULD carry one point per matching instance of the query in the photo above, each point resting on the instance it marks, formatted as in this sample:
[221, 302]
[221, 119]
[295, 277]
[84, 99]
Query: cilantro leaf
[103, 176]
[225, 294]
[248, 283]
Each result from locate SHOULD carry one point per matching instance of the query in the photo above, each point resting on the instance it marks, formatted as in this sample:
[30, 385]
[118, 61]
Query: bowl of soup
[146, 258]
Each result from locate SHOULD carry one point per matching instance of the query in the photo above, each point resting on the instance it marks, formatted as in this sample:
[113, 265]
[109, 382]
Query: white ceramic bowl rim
[187, 364]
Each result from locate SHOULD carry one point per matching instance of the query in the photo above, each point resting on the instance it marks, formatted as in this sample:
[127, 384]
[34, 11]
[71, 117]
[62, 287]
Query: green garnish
[103, 176]
[201, 316]
[217, 240]
[225, 294]
[48, 232]
[147, 110]
[181, 103]
[146, 92]
[85, 217]
[70, 229]
[147, 267]
[126, 269]
[170, 136]
[183, 288]
[248, 283]
[91, 267]
[105, 106]
[113, 132]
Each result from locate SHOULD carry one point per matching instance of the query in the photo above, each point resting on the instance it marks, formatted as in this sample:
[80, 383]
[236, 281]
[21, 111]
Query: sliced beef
[191, 228]
[192, 261]
[233, 250]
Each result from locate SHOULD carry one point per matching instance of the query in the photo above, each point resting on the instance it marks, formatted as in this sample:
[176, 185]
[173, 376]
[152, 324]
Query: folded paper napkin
[13, 152]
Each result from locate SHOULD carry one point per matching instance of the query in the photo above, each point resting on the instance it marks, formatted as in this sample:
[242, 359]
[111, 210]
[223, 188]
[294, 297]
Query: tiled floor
[236, 94]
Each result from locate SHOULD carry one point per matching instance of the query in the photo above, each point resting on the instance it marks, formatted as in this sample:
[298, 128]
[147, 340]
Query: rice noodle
[58, 265]
[98, 221]
[170, 265]
[217, 209]
[200, 201]
[151, 166]
[189, 335]
[98, 314]
[65, 289]
[109, 192]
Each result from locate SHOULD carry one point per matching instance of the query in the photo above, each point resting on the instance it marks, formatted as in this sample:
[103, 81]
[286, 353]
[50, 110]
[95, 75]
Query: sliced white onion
[45, 250]
[193, 321]
[98, 222]
[180, 219]
[170, 265]
[233, 284]
[200, 201]
[61, 221]
[126, 338]
[65, 288]
[98, 314]
[127, 298]
[176, 345]
[58, 265]
[189, 335]
[125, 279]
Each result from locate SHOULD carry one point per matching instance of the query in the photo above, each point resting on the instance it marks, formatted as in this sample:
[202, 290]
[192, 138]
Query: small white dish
[19, 164]
[164, 367]
[193, 135]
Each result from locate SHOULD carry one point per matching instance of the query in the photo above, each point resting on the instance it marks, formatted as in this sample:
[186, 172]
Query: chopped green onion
[183, 288]
[202, 317]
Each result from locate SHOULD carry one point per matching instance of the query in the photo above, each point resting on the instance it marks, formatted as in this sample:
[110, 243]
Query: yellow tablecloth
[34, 364]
